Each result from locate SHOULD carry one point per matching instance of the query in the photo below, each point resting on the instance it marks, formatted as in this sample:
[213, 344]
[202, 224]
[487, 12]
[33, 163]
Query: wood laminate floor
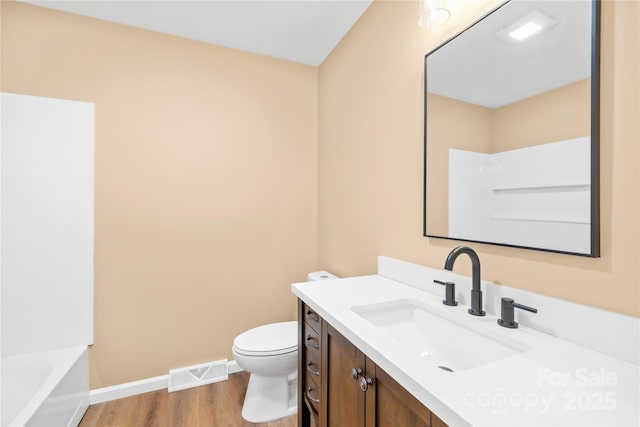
[213, 405]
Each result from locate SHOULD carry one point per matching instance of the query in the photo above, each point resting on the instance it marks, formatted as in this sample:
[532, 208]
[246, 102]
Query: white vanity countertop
[551, 382]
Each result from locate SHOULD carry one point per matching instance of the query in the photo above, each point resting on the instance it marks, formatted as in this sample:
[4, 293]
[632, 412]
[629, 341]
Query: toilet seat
[268, 340]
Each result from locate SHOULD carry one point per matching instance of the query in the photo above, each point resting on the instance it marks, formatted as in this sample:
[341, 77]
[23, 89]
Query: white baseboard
[233, 367]
[119, 391]
[133, 388]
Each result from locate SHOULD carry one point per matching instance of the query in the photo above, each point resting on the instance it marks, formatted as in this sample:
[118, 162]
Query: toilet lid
[274, 338]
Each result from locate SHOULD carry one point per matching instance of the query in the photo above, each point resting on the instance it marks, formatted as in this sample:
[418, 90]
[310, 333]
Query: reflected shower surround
[536, 195]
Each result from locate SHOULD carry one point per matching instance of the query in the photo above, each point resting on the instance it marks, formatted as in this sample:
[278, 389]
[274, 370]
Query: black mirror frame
[595, 141]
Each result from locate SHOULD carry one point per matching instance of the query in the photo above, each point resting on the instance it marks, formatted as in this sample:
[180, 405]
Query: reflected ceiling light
[532, 24]
[527, 30]
[432, 13]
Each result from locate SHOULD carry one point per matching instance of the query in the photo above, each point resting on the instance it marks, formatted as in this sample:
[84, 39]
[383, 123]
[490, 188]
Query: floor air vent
[193, 376]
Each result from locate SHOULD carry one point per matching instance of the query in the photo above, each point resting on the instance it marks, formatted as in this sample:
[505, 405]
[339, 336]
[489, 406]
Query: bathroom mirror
[511, 129]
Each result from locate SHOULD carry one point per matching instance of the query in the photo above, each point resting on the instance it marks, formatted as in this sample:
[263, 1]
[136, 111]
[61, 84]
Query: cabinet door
[388, 404]
[342, 394]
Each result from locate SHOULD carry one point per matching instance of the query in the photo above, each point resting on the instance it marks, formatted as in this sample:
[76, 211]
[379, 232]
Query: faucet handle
[506, 310]
[525, 307]
[450, 292]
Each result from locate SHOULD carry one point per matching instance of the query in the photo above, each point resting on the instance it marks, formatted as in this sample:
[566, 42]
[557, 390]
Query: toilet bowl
[270, 354]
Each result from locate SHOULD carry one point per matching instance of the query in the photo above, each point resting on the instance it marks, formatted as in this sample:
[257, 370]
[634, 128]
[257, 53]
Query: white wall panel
[47, 223]
[469, 195]
[536, 196]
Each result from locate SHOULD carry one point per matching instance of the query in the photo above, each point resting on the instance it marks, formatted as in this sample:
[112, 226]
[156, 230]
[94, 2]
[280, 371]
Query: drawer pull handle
[355, 373]
[312, 316]
[312, 343]
[313, 399]
[365, 383]
[311, 371]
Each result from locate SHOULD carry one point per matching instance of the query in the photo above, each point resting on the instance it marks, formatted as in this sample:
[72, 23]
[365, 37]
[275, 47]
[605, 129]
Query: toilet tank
[320, 275]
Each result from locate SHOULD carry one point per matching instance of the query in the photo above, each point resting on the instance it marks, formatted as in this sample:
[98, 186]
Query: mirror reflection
[509, 109]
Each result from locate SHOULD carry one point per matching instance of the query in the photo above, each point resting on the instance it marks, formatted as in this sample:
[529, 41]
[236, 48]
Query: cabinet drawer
[312, 394]
[312, 363]
[311, 340]
[312, 352]
[311, 317]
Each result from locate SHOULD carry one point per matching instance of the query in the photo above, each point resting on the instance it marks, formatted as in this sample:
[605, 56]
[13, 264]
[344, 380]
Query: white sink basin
[436, 335]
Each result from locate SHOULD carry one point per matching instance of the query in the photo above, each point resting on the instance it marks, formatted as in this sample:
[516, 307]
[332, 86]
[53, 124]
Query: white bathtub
[45, 389]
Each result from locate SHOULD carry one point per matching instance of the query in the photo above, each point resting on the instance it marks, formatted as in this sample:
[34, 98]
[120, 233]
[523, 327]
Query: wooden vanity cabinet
[309, 366]
[389, 404]
[344, 401]
[353, 391]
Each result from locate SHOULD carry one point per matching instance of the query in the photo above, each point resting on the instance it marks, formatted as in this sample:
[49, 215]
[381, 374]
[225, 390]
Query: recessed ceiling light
[532, 24]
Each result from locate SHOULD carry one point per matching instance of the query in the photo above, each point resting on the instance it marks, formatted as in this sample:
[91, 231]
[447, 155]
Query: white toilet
[270, 354]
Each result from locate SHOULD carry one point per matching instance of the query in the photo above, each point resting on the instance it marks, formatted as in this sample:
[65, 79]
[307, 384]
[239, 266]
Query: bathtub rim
[62, 361]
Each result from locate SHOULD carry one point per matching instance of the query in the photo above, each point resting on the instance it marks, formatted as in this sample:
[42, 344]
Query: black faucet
[450, 292]
[476, 291]
[506, 312]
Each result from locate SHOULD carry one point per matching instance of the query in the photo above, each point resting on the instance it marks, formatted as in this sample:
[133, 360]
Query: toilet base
[270, 398]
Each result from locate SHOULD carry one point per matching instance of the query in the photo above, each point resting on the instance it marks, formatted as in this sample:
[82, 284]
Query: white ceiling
[480, 68]
[304, 31]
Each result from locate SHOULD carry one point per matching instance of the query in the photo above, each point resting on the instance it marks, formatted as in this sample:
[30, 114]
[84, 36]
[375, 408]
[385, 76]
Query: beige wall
[556, 115]
[454, 124]
[205, 183]
[370, 163]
